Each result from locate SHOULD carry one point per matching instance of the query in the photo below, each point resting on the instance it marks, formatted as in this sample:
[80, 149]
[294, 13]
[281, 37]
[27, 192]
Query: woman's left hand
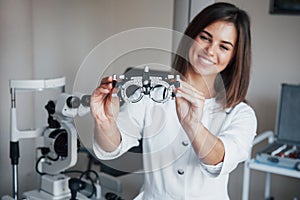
[189, 106]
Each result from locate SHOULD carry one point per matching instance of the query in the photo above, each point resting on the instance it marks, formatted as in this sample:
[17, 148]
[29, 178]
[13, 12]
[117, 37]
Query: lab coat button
[185, 143]
[180, 171]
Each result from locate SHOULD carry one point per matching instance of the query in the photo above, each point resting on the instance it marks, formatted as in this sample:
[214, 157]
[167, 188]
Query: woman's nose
[210, 49]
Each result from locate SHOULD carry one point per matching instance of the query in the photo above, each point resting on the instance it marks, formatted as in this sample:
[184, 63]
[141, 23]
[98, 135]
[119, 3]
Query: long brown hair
[235, 78]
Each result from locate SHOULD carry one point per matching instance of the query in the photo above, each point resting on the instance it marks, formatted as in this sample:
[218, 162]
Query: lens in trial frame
[160, 93]
[133, 93]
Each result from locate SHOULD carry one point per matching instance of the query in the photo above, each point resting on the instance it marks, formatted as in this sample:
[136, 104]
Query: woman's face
[213, 48]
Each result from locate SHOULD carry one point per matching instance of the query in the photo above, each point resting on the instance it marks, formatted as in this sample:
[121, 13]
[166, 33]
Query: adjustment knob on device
[73, 102]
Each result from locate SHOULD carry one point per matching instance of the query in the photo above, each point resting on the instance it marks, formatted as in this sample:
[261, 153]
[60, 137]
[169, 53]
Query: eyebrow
[223, 41]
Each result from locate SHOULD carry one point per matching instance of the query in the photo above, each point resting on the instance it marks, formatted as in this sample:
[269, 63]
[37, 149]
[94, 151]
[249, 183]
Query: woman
[202, 136]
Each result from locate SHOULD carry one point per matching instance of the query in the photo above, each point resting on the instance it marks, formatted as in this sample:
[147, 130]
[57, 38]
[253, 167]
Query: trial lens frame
[132, 88]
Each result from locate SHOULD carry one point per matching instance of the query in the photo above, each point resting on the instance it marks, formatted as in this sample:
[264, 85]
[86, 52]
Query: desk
[131, 185]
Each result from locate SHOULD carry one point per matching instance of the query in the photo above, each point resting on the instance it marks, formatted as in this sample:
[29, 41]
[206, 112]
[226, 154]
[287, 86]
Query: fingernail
[178, 94]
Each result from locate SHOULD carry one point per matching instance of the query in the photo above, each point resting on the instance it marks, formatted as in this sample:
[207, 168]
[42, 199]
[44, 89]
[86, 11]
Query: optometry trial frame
[160, 87]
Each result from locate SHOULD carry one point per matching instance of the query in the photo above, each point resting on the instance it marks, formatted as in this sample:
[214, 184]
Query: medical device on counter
[57, 143]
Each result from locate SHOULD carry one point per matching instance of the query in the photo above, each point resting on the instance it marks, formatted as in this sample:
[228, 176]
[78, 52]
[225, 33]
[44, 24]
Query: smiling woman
[233, 24]
[207, 131]
[213, 48]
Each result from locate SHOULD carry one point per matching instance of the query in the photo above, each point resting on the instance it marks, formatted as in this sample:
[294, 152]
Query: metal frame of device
[16, 134]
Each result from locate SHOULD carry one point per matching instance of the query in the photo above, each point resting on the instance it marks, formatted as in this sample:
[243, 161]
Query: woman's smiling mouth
[205, 61]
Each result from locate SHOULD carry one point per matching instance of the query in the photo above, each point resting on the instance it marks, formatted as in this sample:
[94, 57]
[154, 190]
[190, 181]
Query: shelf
[273, 169]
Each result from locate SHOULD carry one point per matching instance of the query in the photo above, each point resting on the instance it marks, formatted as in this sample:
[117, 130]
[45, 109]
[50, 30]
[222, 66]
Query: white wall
[16, 58]
[49, 38]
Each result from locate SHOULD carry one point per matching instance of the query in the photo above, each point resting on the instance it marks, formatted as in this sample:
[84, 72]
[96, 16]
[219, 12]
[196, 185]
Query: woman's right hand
[104, 107]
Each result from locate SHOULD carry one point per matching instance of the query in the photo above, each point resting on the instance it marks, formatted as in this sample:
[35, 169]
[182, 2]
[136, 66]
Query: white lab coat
[172, 169]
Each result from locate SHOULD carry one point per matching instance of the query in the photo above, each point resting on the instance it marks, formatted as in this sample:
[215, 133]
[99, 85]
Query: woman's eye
[224, 48]
[204, 37]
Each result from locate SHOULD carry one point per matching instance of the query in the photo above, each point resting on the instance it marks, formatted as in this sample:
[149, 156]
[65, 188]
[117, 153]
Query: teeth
[206, 61]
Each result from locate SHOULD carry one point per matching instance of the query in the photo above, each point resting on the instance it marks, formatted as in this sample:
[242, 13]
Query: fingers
[105, 87]
[189, 93]
[188, 89]
[102, 104]
[106, 80]
[100, 93]
[107, 83]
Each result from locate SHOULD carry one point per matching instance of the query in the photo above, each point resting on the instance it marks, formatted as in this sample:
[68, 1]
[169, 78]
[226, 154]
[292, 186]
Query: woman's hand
[189, 106]
[104, 107]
